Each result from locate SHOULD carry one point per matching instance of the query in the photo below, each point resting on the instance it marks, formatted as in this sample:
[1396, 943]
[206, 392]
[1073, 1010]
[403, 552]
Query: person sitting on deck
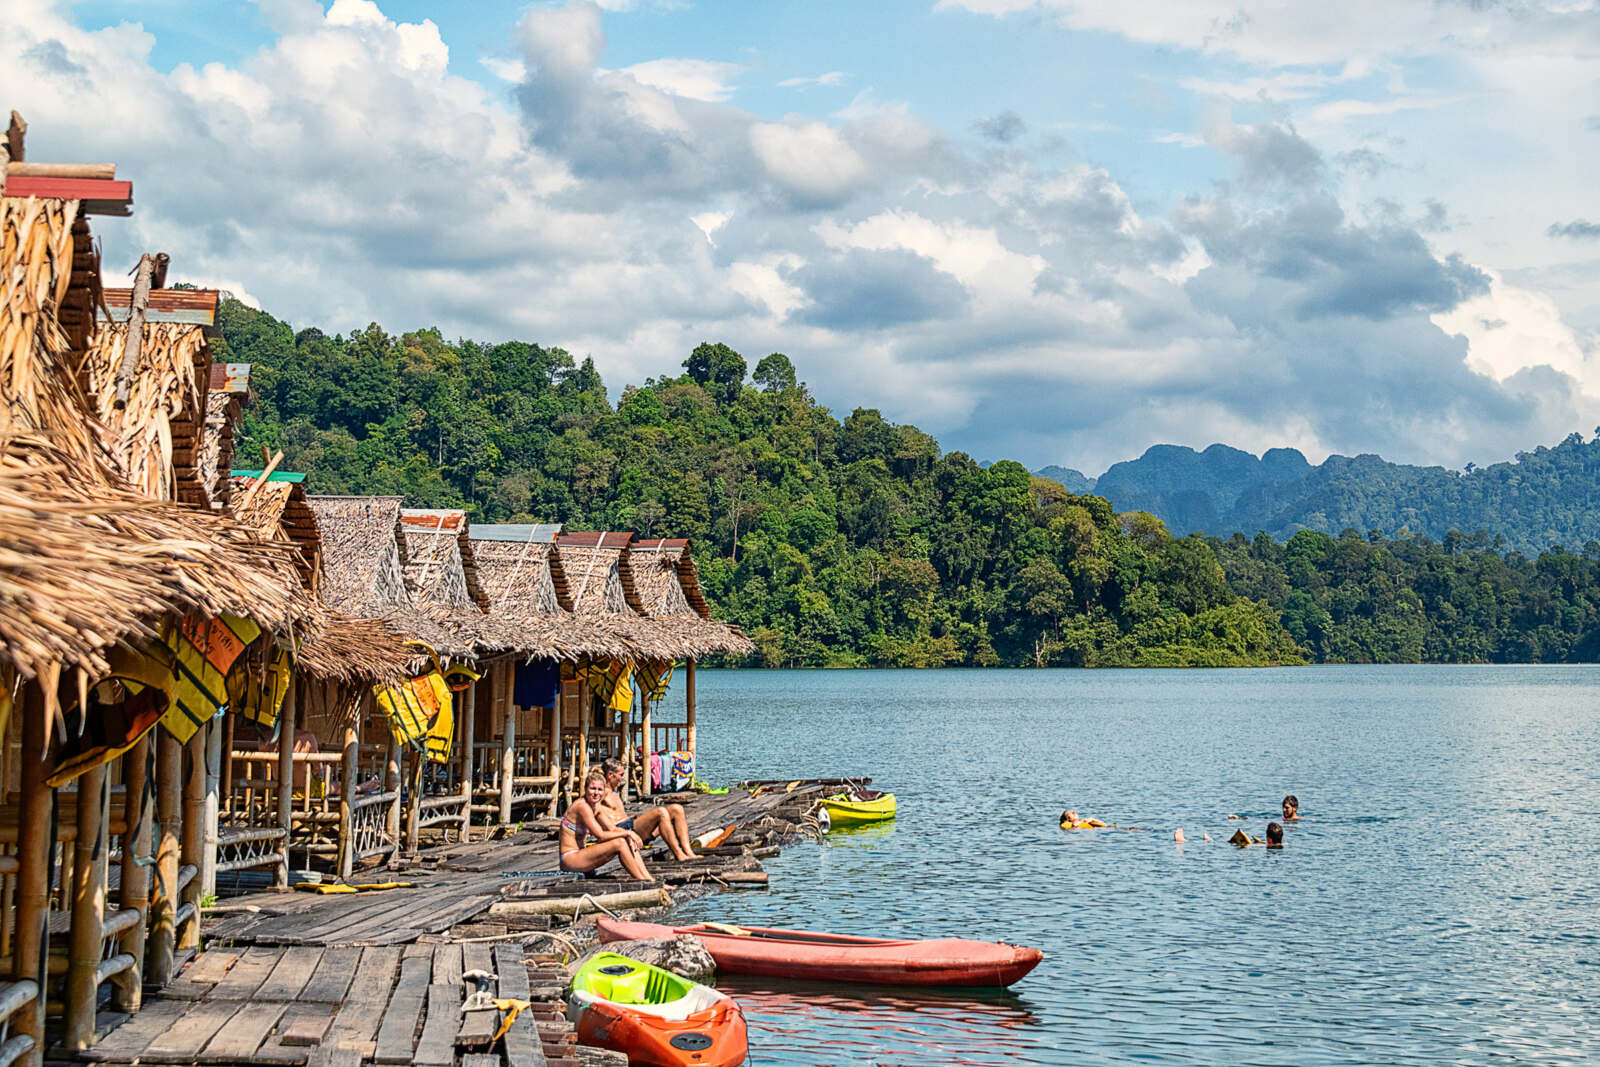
[668, 820]
[1071, 821]
[581, 823]
[1291, 808]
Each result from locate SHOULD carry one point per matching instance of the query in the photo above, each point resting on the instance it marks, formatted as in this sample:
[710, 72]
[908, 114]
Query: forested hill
[1550, 496]
[856, 541]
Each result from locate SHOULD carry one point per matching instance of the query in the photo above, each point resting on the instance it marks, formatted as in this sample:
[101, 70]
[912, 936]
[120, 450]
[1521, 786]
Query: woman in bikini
[580, 823]
[668, 820]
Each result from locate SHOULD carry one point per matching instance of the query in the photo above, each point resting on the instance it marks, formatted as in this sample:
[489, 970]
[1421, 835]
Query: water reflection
[880, 1024]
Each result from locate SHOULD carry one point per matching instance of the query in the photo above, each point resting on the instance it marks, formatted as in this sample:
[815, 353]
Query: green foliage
[861, 543]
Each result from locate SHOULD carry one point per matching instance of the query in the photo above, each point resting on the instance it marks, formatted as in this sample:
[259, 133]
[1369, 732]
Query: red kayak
[842, 957]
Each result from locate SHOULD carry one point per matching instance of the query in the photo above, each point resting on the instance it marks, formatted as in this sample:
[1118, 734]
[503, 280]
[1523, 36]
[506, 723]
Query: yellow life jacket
[203, 652]
[654, 679]
[257, 694]
[123, 706]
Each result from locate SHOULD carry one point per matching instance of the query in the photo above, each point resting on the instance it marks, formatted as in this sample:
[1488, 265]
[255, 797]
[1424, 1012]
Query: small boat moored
[843, 957]
[858, 807]
[654, 1016]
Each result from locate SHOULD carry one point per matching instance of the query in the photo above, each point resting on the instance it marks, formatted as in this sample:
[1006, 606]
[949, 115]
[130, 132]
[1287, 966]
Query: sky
[1057, 231]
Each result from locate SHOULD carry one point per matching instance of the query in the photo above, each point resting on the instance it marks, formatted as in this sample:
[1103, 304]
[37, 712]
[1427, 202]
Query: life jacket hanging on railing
[602, 676]
[123, 707]
[203, 652]
[419, 709]
[257, 691]
[654, 677]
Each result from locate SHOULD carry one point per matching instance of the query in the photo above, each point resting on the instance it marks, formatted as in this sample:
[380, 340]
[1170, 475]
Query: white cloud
[693, 79]
[831, 78]
[810, 160]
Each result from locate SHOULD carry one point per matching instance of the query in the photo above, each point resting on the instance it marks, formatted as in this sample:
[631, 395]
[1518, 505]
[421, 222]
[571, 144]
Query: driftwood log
[581, 905]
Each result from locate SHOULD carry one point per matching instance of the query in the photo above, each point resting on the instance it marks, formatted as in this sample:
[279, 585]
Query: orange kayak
[653, 1016]
[843, 957]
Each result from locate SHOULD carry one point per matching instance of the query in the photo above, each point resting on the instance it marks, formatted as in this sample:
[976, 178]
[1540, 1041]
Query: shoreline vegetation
[859, 542]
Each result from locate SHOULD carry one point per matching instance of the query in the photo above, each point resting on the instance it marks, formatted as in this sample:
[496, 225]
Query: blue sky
[1054, 230]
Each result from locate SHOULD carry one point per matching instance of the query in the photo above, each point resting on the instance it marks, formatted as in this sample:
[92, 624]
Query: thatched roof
[156, 437]
[356, 651]
[440, 568]
[525, 604]
[87, 565]
[364, 571]
[279, 510]
[602, 584]
[228, 393]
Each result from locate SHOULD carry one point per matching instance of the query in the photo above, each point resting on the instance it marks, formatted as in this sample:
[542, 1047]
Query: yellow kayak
[854, 809]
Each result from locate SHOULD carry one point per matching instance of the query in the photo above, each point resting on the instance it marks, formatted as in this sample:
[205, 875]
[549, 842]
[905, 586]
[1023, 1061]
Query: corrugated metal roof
[230, 378]
[594, 539]
[198, 307]
[433, 518]
[542, 533]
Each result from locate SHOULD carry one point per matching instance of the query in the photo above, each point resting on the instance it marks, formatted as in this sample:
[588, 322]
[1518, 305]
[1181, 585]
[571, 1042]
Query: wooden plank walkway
[463, 882]
[403, 1006]
[343, 980]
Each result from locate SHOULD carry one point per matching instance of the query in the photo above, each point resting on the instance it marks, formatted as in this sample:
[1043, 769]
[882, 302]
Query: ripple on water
[1435, 906]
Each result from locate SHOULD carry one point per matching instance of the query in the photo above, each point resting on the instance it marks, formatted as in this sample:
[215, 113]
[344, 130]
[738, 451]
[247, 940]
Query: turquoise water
[1439, 904]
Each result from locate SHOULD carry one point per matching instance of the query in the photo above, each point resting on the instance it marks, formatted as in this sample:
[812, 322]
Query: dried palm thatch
[526, 611]
[356, 652]
[156, 438]
[85, 565]
[49, 281]
[279, 510]
[668, 589]
[437, 554]
[223, 412]
[602, 585]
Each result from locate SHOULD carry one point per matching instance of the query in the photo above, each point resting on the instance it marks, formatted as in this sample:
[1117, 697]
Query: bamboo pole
[194, 831]
[584, 904]
[414, 805]
[212, 810]
[162, 944]
[286, 727]
[552, 750]
[586, 714]
[227, 764]
[465, 729]
[391, 784]
[100, 171]
[688, 692]
[138, 303]
[508, 738]
[34, 860]
[347, 803]
[645, 746]
[135, 893]
[88, 910]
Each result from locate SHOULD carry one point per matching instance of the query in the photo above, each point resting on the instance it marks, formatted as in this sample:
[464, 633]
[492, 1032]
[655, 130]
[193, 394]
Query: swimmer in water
[1274, 835]
[1291, 808]
[1070, 820]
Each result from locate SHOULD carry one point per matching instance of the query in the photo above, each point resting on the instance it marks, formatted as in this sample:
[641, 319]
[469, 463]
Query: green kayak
[653, 1015]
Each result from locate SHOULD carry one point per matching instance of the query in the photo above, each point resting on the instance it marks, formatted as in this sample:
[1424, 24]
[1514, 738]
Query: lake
[1440, 902]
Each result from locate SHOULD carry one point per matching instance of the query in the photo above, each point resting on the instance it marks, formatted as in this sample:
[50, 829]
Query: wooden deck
[379, 977]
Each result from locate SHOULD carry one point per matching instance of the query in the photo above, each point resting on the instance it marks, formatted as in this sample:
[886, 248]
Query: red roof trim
[69, 188]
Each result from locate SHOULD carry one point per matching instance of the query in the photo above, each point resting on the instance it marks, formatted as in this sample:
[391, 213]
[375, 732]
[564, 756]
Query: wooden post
[212, 811]
[688, 696]
[552, 751]
[34, 849]
[194, 833]
[286, 727]
[347, 803]
[645, 745]
[138, 302]
[414, 805]
[227, 764]
[391, 784]
[88, 910]
[585, 713]
[466, 726]
[162, 944]
[508, 739]
[128, 993]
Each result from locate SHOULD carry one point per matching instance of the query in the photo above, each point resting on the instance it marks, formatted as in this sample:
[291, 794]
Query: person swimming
[581, 823]
[1275, 834]
[1291, 808]
[1070, 820]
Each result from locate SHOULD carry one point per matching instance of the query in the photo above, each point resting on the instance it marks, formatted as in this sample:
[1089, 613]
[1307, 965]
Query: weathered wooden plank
[478, 1028]
[522, 1045]
[196, 981]
[246, 976]
[331, 980]
[398, 1031]
[304, 1028]
[477, 958]
[479, 1059]
[512, 971]
[182, 1041]
[241, 1035]
[334, 1057]
[288, 979]
[357, 1022]
[447, 965]
[437, 1045]
[127, 1041]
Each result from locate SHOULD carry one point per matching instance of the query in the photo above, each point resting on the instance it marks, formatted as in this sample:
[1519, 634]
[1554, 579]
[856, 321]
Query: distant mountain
[1073, 481]
[1550, 496]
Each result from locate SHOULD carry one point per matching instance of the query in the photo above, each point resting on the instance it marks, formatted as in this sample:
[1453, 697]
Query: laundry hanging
[536, 684]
